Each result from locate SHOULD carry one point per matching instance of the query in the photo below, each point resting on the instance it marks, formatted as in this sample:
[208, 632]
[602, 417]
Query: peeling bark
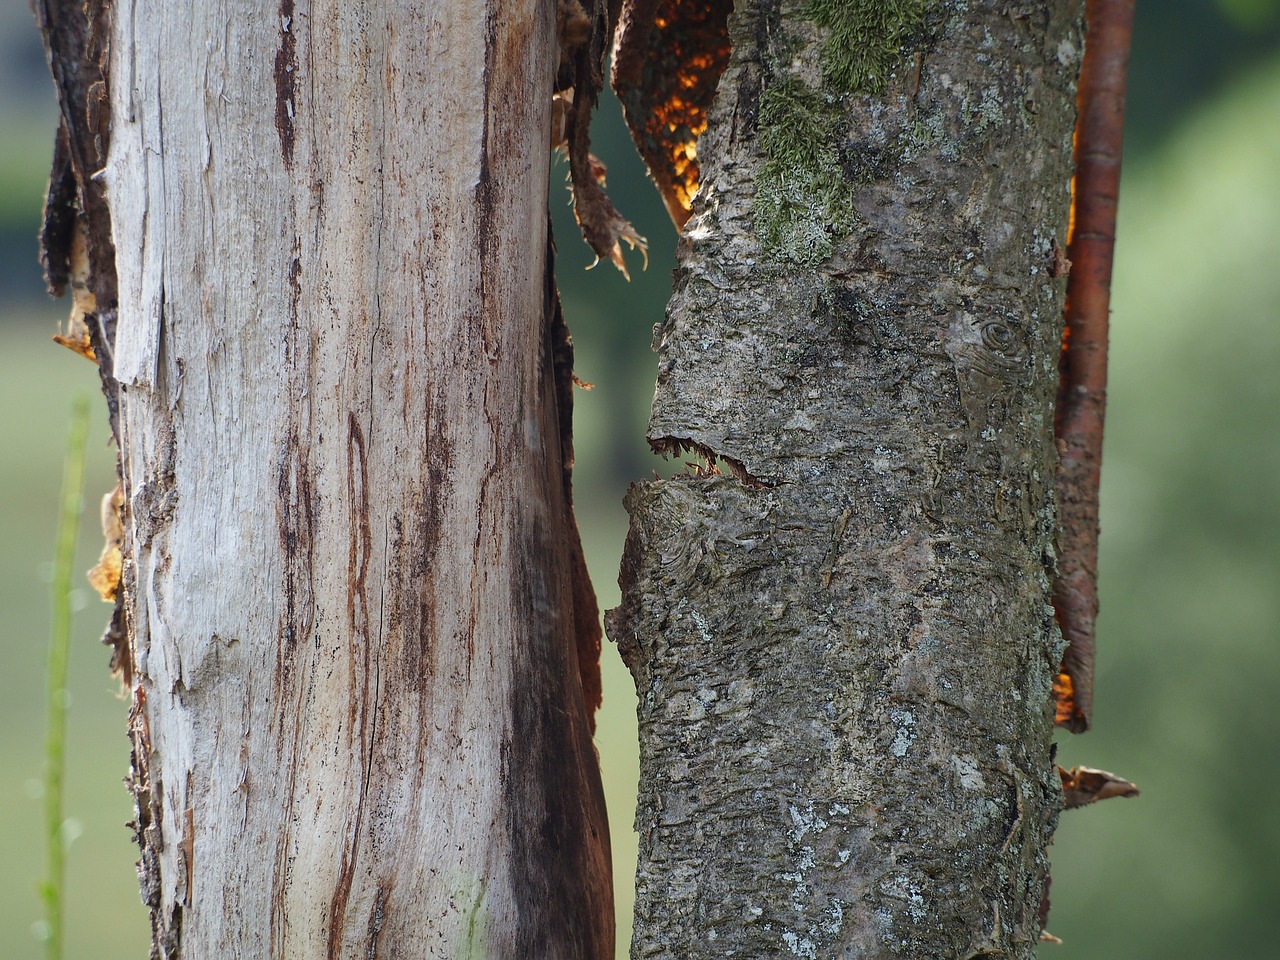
[1082, 392]
[352, 586]
[845, 667]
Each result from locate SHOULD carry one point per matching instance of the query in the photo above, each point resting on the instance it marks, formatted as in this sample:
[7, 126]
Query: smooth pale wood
[357, 720]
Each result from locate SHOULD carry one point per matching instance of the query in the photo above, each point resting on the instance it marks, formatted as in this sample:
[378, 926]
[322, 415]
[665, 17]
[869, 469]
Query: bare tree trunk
[842, 638]
[358, 723]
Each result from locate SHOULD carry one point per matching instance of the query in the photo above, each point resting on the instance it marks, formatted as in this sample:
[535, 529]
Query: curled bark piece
[1082, 786]
[580, 81]
[1082, 391]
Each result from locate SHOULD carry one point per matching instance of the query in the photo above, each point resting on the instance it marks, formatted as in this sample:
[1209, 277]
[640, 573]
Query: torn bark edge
[578, 85]
[1082, 390]
[676, 446]
[77, 227]
[1082, 786]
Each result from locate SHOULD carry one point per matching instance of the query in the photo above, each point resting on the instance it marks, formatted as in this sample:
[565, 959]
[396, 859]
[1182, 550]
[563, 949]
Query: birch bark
[357, 718]
[843, 643]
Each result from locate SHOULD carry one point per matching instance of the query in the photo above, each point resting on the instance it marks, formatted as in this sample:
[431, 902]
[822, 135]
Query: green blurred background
[1189, 658]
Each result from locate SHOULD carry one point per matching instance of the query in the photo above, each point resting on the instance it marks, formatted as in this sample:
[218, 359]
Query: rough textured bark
[842, 638]
[358, 723]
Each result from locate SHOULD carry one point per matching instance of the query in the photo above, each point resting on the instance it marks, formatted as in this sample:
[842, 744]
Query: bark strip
[1082, 391]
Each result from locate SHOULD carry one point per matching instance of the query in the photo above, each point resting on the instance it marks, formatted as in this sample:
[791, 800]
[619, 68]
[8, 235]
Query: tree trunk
[840, 625]
[358, 722]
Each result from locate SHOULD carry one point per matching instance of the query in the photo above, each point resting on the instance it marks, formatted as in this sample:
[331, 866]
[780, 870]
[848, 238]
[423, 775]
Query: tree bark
[840, 625]
[358, 723]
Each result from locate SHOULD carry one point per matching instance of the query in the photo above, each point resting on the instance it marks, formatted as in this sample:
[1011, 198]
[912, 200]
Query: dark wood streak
[286, 68]
[293, 487]
[414, 543]
[297, 532]
[554, 805]
[359, 549]
[586, 611]
[338, 904]
[365, 703]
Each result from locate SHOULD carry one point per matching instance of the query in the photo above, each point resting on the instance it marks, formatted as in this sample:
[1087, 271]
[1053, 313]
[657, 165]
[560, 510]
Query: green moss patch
[803, 196]
[864, 39]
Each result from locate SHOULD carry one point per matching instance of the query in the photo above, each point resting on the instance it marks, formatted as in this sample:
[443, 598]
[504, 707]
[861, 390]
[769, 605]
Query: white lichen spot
[917, 908]
[844, 855]
[838, 810]
[833, 917]
[700, 622]
[804, 821]
[990, 109]
[905, 889]
[905, 736]
[1066, 53]
[800, 946]
[754, 913]
[967, 769]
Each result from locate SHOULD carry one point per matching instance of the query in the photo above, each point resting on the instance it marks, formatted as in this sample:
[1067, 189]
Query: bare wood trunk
[358, 723]
[843, 644]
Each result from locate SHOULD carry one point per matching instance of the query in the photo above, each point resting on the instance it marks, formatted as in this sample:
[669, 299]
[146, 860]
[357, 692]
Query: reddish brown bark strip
[1082, 391]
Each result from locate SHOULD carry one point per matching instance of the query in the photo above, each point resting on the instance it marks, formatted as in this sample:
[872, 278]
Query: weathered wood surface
[358, 723]
[844, 644]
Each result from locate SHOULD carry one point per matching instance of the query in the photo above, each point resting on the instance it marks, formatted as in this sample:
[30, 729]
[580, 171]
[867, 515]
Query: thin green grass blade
[69, 510]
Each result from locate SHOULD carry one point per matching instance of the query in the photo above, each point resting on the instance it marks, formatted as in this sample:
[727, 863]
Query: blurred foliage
[1190, 561]
[1251, 15]
[1191, 512]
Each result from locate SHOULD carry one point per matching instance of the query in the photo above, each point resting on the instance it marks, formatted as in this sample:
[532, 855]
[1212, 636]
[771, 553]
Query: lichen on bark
[844, 667]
